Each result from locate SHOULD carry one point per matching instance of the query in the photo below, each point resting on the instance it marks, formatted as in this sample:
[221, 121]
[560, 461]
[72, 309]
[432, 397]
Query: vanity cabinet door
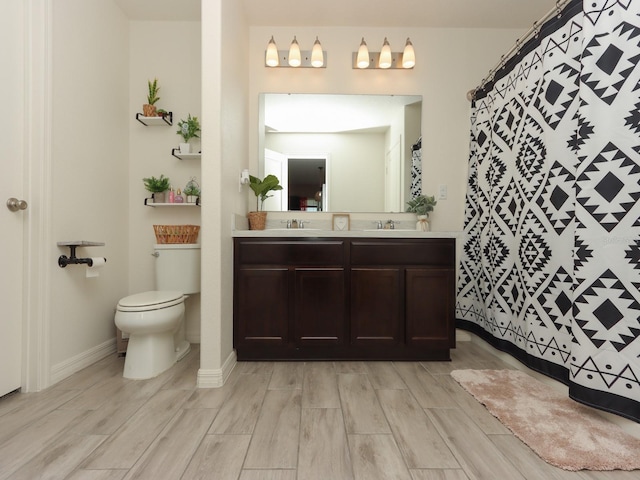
[261, 306]
[429, 300]
[376, 306]
[319, 306]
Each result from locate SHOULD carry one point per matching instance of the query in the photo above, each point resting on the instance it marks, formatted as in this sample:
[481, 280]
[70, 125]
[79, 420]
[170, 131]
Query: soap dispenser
[172, 195]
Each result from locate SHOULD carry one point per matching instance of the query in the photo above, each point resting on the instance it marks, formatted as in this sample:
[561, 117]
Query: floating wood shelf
[161, 120]
[185, 156]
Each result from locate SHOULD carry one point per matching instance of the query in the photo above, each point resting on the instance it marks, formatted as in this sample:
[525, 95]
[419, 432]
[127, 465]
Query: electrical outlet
[442, 192]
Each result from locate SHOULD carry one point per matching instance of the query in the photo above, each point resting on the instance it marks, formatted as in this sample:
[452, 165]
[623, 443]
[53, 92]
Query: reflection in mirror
[339, 153]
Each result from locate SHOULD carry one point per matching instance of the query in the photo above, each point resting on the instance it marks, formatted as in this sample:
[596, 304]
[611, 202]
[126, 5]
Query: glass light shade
[408, 55]
[294, 54]
[362, 60]
[317, 57]
[385, 55]
[271, 57]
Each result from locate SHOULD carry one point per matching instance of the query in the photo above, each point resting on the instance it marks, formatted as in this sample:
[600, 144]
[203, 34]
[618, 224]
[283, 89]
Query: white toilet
[155, 320]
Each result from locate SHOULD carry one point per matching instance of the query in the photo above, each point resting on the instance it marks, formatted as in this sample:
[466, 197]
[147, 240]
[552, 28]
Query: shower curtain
[550, 269]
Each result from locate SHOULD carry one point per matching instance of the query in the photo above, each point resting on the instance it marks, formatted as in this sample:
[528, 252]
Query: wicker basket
[176, 233]
[257, 220]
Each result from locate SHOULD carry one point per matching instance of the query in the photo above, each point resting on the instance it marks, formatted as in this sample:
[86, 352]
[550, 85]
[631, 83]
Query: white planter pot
[185, 148]
[422, 225]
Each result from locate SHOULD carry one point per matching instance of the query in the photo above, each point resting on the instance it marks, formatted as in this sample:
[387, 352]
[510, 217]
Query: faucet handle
[379, 225]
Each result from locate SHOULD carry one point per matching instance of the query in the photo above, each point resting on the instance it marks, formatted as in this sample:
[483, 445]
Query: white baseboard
[215, 378]
[68, 367]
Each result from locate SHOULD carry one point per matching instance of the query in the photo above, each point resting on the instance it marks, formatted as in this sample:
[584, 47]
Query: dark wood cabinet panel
[433, 252]
[429, 306]
[319, 306]
[337, 298]
[322, 253]
[261, 306]
[376, 306]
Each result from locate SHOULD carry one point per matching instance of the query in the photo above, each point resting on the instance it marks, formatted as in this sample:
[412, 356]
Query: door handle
[14, 204]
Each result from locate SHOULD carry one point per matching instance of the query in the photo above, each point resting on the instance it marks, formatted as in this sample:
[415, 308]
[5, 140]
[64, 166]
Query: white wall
[225, 122]
[170, 52]
[449, 63]
[90, 173]
[356, 174]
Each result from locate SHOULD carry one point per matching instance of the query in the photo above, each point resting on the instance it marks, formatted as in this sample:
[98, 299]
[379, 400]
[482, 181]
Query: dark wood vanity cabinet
[344, 298]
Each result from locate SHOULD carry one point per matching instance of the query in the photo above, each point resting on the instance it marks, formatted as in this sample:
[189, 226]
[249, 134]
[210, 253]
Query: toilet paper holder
[63, 260]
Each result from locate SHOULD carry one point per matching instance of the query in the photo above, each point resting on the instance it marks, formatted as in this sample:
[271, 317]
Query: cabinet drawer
[436, 252]
[290, 252]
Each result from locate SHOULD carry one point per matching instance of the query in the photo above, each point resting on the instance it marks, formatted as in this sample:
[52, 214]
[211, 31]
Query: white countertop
[308, 232]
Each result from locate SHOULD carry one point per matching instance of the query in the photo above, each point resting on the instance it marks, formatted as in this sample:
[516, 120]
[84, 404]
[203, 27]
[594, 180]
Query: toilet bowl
[154, 320]
[151, 319]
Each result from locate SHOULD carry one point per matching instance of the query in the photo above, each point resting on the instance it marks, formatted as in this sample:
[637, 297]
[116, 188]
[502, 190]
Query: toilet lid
[151, 300]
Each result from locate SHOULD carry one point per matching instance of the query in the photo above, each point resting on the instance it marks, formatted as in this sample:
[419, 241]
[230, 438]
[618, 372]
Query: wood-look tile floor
[271, 421]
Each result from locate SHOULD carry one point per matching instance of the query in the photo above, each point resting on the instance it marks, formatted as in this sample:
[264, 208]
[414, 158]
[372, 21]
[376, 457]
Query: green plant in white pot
[157, 187]
[422, 206]
[192, 191]
[188, 129]
[262, 190]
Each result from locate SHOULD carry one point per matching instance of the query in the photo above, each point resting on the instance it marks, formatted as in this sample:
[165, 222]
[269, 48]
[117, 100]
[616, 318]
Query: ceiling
[374, 13]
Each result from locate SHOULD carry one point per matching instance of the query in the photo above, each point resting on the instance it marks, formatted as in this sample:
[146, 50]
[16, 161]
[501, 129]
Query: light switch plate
[442, 192]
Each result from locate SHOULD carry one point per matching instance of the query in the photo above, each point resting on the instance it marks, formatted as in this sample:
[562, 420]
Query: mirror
[340, 153]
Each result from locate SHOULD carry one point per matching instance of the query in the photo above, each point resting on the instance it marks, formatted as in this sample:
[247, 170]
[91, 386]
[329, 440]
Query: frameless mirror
[339, 153]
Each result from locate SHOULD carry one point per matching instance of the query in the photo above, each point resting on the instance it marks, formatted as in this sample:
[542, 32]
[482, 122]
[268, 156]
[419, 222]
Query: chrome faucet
[302, 222]
[390, 224]
[379, 225]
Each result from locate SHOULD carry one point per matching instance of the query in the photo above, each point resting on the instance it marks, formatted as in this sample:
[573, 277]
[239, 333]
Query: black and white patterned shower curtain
[550, 269]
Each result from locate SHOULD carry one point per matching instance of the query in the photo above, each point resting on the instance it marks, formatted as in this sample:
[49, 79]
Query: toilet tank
[178, 267]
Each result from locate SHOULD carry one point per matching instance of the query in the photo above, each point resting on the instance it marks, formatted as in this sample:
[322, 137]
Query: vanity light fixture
[408, 55]
[362, 58]
[294, 53]
[317, 55]
[271, 57]
[294, 57]
[385, 59]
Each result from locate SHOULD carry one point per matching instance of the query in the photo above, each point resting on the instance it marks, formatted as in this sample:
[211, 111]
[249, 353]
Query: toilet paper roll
[94, 270]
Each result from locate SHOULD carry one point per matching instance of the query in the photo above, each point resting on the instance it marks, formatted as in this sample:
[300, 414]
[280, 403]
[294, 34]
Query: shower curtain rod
[535, 28]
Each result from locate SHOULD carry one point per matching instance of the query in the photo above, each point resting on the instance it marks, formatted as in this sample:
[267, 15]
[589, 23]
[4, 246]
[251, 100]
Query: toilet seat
[149, 301]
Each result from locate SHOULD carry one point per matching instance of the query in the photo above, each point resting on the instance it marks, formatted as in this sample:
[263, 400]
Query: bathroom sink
[293, 229]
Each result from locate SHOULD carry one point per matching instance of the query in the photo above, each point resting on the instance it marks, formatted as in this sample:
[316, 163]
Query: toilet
[154, 320]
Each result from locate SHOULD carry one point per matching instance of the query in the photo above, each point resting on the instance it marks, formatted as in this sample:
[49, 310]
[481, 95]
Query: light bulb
[271, 57]
[362, 60]
[317, 56]
[294, 54]
[408, 55]
[385, 55]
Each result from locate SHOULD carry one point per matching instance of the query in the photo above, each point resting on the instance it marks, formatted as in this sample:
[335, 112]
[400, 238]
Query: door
[430, 305]
[392, 201]
[319, 306]
[376, 306]
[11, 185]
[276, 164]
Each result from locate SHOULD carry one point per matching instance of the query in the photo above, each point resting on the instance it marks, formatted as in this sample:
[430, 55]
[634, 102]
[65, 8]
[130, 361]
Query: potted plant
[192, 192]
[188, 129]
[422, 206]
[149, 109]
[261, 188]
[157, 187]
